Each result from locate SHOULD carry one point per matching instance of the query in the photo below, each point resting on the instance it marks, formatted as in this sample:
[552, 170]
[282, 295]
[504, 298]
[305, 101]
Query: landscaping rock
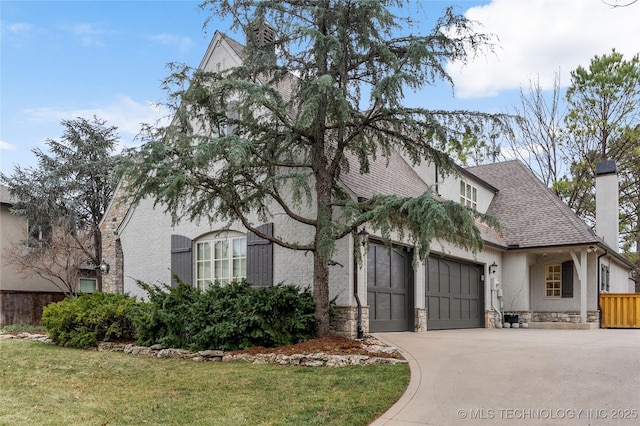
[174, 353]
[319, 359]
[132, 349]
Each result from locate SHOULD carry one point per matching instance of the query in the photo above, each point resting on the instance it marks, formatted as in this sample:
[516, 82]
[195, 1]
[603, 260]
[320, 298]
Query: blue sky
[64, 59]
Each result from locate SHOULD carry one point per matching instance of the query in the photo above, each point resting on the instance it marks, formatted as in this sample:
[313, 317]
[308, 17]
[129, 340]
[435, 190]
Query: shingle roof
[387, 176]
[237, 47]
[394, 176]
[530, 213]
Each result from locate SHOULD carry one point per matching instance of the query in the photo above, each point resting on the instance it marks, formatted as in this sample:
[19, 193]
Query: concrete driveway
[518, 377]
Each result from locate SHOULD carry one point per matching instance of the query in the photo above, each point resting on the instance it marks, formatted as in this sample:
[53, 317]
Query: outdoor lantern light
[363, 234]
[493, 267]
[104, 267]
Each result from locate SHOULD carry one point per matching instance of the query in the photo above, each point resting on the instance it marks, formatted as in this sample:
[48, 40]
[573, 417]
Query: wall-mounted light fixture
[493, 267]
[363, 234]
[104, 267]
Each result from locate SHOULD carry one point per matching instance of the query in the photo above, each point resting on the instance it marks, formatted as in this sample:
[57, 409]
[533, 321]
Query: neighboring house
[545, 264]
[21, 298]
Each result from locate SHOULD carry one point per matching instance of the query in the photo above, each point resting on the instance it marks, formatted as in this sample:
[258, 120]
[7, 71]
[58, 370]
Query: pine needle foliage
[321, 98]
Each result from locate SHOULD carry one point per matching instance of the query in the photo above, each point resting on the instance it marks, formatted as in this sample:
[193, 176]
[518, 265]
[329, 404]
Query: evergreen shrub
[86, 320]
[225, 317]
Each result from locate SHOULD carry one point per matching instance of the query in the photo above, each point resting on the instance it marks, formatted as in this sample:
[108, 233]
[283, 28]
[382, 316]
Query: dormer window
[468, 195]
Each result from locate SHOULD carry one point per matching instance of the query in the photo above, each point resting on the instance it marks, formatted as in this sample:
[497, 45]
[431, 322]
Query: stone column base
[345, 321]
[421, 319]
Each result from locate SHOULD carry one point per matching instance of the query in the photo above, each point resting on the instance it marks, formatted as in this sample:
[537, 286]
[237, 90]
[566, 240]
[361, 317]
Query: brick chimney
[262, 35]
[607, 204]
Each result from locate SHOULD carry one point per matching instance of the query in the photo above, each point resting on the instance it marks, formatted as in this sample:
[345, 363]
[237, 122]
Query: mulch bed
[332, 345]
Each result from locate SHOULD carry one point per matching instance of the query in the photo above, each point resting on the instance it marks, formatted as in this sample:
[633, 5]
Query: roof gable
[221, 45]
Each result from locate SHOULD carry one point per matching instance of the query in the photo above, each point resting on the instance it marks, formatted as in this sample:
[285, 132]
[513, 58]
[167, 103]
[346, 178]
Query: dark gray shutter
[181, 260]
[567, 279]
[260, 257]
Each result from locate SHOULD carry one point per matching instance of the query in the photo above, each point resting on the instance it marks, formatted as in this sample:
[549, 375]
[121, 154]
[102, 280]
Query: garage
[454, 294]
[389, 288]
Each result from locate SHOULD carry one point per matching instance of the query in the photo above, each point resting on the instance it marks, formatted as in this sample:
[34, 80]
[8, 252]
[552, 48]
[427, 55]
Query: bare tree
[56, 257]
[538, 135]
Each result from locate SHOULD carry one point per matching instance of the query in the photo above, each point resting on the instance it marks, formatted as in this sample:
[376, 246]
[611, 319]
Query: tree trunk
[97, 241]
[321, 294]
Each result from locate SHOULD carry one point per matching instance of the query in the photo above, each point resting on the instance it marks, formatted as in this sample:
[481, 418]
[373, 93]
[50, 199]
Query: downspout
[598, 283]
[358, 304]
[494, 289]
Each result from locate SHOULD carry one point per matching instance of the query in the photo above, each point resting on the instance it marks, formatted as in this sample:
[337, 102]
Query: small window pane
[221, 250]
[240, 247]
[204, 251]
[87, 285]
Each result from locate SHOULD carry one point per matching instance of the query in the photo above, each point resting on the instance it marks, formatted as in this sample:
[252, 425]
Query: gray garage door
[389, 288]
[455, 295]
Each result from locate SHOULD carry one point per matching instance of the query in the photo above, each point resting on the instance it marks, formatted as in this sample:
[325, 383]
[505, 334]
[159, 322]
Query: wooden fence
[620, 310]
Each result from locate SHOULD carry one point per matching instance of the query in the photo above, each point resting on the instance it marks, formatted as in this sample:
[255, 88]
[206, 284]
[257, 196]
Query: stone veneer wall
[345, 322]
[526, 317]
[569, 316]
[492, 317]
[421, 319]
[113, 282]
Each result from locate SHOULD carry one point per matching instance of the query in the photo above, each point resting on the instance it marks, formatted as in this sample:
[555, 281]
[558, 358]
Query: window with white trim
[553, 281]
[220, 260]
[468, 195]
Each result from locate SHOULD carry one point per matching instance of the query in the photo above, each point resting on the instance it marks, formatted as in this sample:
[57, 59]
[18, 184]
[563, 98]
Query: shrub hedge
[226, 317]
[88, 319]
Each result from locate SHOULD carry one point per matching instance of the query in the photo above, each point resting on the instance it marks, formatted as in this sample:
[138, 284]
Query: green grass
[51, 385]
[23, 328]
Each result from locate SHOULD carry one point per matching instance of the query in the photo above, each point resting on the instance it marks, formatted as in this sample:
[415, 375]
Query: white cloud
[124, 113]
[183, 43]
[538, 38]
[88, 34]
[19, 27]
[16, 34]
[6, 146]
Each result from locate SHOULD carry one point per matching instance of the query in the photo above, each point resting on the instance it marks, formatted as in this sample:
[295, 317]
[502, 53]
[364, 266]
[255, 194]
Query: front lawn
[46, 384]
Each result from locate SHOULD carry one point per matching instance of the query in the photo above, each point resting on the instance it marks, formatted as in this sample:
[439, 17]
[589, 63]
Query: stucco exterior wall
[14, 229]
[514, 281]
[545, 304]
[619, 281]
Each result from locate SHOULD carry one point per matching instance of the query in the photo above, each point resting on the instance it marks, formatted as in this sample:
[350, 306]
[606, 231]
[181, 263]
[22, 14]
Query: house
[545, 265]
[21, 298]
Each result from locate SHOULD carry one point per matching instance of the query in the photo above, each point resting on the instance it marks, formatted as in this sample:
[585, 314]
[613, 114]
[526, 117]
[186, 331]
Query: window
[468, 195]
[604, 278]
[553, 281]
[87, 285]
[222, 260]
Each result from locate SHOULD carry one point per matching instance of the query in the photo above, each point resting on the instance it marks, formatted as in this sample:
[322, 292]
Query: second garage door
[454, 294]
